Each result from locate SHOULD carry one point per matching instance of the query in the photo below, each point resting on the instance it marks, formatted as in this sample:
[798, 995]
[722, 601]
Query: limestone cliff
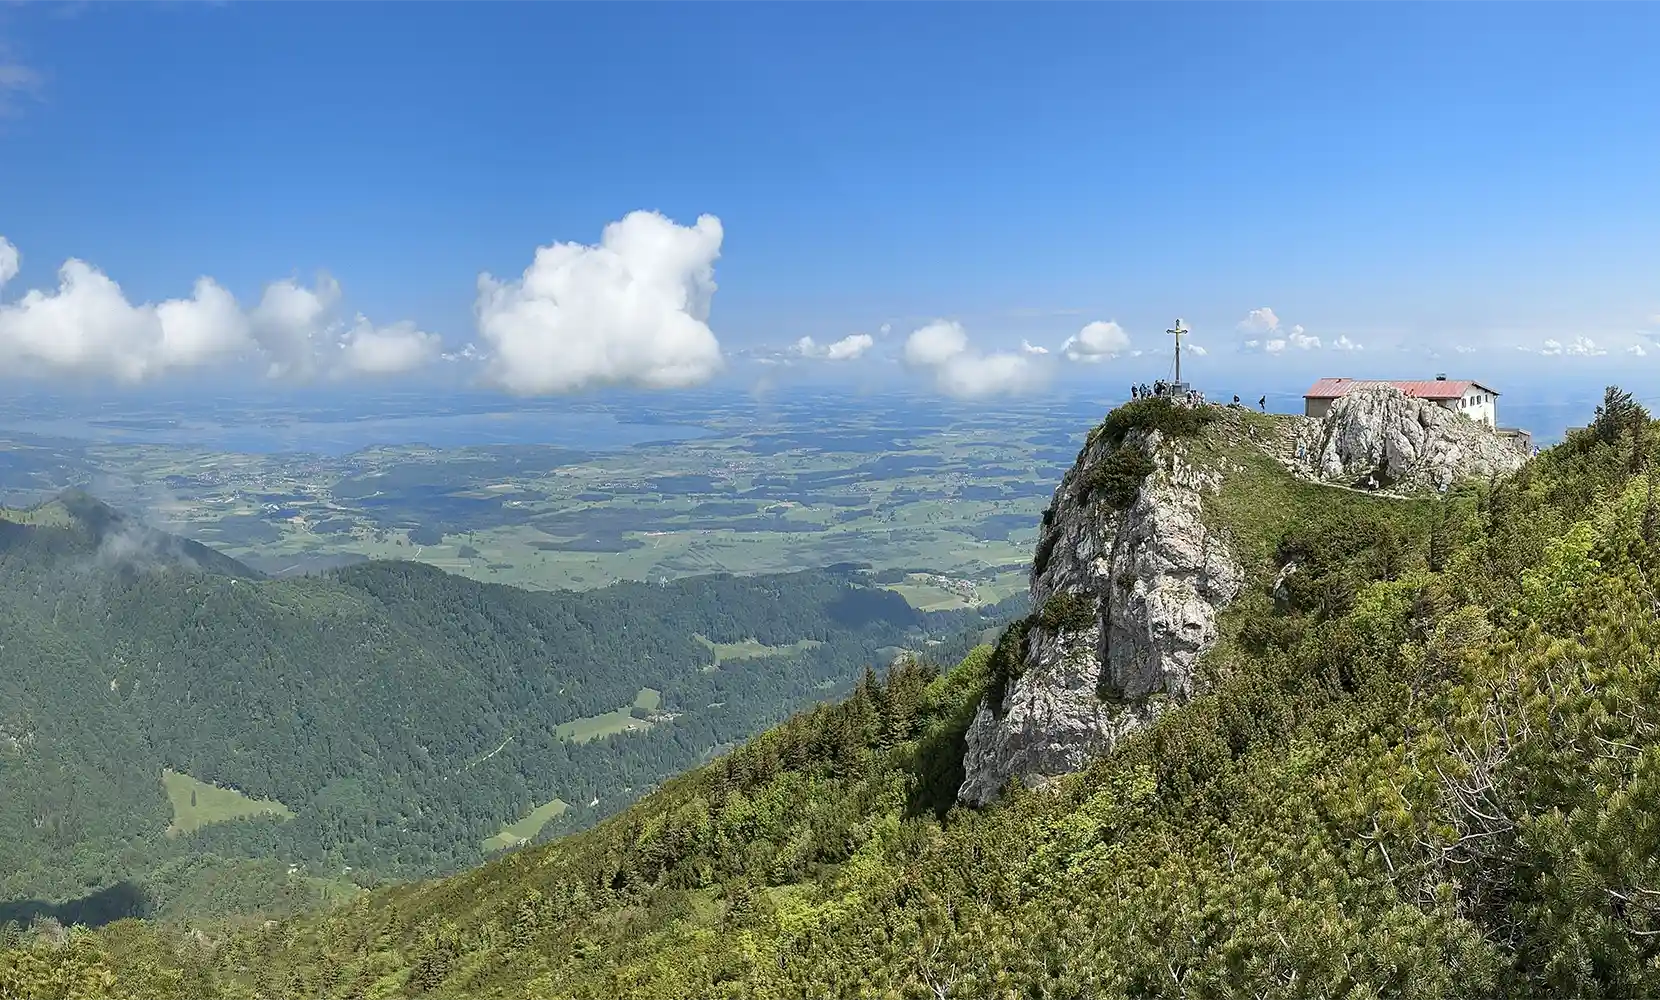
[1379, 437]
[1125, 589]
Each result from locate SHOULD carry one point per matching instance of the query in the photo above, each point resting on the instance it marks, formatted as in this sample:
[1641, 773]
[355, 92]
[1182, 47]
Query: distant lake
[588, 431]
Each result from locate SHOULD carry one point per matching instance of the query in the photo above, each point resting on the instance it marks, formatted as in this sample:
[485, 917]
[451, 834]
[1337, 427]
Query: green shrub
[1158, 414]
[1066, 611]
[1045, 549]
[1117, 478]
[1008, 660]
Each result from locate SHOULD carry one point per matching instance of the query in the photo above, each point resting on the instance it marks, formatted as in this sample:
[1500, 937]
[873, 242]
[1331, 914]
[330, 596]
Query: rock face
[1379, 436]
[1154, 575]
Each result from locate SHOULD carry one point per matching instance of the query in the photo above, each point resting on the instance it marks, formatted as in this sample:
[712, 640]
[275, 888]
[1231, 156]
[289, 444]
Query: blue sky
[1405, 176]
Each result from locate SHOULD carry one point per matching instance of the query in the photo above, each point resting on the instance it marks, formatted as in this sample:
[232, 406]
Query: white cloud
[86, 326]
[1262, 328]
[1636, 349]
[1343, 343]
[885, 329]
[9, 261]
[846, 349]
[388, 350]
[1463, 349]
[1196, 349]
[291, 323]
[1260, 321]
[1302, 341]
[1031, 348]
[634, 309]
[1098, 341]
[941, 348]
[1579, 347]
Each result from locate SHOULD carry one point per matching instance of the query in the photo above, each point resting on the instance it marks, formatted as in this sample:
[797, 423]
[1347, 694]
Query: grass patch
[197, 803]
[621, 720]
[526, 828]
[750, 649]
[1261, 502]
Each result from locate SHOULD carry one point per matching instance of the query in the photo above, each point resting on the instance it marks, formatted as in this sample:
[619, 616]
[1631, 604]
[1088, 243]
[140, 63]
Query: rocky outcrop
[1125, 602]
[1379, 437]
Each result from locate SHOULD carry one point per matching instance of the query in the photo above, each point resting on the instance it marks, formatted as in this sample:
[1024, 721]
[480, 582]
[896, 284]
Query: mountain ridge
[1424, 764]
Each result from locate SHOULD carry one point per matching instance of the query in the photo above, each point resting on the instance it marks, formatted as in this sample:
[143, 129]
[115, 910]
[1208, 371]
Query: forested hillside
[1431, 768]
[381, 721]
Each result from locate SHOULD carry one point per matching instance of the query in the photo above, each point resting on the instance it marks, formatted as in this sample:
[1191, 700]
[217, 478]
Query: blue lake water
[588, 431]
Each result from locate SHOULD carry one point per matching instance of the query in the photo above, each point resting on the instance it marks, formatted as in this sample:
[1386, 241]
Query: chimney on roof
[1441, 377]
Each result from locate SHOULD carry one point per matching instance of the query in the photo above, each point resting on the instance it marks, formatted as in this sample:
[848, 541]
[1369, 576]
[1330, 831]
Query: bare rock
[1155, 576]
[1379, 437]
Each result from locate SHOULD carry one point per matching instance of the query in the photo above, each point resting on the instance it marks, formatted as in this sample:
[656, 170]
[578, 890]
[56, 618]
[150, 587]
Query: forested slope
[402, 714]
[1429, 768]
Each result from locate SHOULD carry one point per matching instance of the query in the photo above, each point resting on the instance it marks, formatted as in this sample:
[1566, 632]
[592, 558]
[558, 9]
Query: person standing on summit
[1263, 403]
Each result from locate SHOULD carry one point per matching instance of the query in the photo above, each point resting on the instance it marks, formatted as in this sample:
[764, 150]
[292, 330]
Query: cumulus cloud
[387, 350]
[1343, 343]
[1636, 349]
[1579, 347]
[885, 329]
[942, 350]
[1260, 321]
[1264, 335]
[846, 349]
[86, 326]
[633, 309]
[1196, 349]
[1302, 341]
[1097, 341]
[1031, 348]
[1463, 349]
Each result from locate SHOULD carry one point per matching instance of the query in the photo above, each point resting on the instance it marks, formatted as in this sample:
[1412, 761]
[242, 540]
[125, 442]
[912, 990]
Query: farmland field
[941, 500]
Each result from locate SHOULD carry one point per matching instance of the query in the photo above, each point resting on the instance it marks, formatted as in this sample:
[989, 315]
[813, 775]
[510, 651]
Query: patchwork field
[943, 500]
[197, 803]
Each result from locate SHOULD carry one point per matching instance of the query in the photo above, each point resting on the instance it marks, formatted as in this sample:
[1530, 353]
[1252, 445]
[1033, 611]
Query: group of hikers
[1168, 390]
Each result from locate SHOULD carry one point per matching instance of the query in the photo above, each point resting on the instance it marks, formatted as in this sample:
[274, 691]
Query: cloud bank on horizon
[630, 310]
[942, 351]
[86, 326]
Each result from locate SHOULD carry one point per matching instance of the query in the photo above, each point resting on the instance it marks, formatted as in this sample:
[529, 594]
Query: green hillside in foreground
[1430, 769]
[171, 722]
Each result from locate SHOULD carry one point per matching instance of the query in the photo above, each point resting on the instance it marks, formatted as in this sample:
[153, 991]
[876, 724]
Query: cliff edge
[1135, 559]
[1126, 585]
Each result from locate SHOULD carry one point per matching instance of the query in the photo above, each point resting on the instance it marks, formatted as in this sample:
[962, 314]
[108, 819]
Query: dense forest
[1431, 768]
[401, 715]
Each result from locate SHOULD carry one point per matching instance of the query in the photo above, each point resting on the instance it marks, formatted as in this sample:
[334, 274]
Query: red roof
[1332, 388]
